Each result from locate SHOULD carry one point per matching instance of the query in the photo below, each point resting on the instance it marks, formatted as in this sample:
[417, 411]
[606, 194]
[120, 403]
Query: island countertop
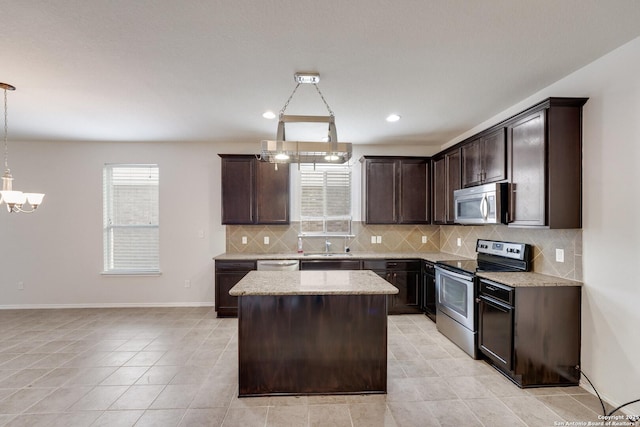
[309, 282]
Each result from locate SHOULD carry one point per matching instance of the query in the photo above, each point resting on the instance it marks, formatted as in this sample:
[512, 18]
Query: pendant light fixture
[283, 151]
[15, 200]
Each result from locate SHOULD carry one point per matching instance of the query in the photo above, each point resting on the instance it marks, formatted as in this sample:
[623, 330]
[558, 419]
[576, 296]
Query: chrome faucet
[327, 246]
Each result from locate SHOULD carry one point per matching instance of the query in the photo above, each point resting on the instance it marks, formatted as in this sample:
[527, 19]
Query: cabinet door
[381, 177]
[494, 157]
[528, 171]
[453, 183]
[407, 299]
[227, 305]
[272, 193]
[495, 332]
[440, 191]
[428, 297]
[414, 191]
[472, 163]
[237, 190]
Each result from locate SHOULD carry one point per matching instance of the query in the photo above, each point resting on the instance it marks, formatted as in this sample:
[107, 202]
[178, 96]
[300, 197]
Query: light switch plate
[559, 255]
[373, 240]
[266, 240]
[459, 242]
[424, 239]
[378, 239]
[244, 240]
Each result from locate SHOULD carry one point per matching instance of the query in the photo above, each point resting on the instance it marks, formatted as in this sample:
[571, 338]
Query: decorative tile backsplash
[545, 243]
[284, 238]
[408, 238]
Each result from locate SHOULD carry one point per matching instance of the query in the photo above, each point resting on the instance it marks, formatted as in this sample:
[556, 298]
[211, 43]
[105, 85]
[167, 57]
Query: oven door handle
[456, 275]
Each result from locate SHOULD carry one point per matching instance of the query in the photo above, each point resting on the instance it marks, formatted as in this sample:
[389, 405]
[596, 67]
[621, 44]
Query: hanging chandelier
[16, 201]
[283, 151]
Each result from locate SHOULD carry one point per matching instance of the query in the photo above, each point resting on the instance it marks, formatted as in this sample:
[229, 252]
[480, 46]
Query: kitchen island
[312, 332]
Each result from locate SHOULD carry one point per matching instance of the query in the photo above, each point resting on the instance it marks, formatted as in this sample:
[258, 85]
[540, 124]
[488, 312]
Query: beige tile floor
[178, 366]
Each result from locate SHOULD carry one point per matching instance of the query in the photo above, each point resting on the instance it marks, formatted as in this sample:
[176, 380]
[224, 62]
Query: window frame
[108, 227]
[324, 218]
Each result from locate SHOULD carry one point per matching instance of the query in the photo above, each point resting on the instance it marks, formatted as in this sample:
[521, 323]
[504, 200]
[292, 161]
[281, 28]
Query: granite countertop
[529, 279]
[427, 256]
[344, 282]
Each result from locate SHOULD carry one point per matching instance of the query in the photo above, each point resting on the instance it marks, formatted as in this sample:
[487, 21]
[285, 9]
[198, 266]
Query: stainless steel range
[456, 291]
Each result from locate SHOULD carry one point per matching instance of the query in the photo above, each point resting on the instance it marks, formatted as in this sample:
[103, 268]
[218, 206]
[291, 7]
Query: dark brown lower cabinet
[427, 295]
[404, 275]
[531, 334]
[312, 344]
[228, 273]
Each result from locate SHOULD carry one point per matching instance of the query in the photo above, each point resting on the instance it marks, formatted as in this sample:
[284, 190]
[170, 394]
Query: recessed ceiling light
[393, 118]
[269, 115]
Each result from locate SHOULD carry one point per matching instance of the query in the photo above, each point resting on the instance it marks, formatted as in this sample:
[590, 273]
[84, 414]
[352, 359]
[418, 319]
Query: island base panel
[312, 344]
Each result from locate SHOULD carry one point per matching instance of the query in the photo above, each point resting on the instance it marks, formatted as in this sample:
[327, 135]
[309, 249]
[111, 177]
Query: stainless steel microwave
[482, 204]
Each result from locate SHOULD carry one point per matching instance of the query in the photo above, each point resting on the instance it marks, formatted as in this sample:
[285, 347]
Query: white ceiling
[206, 70]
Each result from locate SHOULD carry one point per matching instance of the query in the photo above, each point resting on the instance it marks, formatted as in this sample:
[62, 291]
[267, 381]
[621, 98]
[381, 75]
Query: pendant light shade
[283, 151]
[16, 201]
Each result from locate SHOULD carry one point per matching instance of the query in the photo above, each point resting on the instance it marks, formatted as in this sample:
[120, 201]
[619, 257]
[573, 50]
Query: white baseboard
[624, 411]
[107, 305]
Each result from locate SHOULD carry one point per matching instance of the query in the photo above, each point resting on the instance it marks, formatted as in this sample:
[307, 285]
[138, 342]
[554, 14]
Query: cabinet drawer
[235, 265]
[374, 265]
[497, 291]
[403, 265]
[330, 265]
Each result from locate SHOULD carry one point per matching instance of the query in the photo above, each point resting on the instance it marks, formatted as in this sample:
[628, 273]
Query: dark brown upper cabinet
[484, 159]
[254, 192]
[545, 165]
[395, 190]
[446, 179]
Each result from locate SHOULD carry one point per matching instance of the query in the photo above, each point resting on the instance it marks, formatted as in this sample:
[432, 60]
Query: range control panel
[503, 249]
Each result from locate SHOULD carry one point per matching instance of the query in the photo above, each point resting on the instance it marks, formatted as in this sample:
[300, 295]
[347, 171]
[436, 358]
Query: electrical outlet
[201, 234]
[187, 283]
[266, 240]
[424, 239]
[559, 255]
[244, 240]
[373, 240]
[378, 239]
[459, 242]
[20, 285]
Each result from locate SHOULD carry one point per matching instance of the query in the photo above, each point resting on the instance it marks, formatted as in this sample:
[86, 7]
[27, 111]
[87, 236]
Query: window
[130, 218]
[325, 196]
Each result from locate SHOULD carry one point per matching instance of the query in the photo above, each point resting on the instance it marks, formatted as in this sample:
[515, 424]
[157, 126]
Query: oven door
[456, 296]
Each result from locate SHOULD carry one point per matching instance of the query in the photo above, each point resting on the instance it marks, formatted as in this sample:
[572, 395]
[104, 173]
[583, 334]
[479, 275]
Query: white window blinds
[325, 195]
[130, 218]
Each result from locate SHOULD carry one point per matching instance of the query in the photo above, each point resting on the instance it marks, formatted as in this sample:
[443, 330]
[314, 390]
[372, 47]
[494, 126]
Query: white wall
[57, 251]
[611, 226]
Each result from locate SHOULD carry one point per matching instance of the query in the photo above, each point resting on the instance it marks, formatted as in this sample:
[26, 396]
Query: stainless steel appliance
[456, 303]
[482, 204]
[278, 265]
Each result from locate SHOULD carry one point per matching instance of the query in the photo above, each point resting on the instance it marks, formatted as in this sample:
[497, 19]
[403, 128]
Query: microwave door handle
[484, 208]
